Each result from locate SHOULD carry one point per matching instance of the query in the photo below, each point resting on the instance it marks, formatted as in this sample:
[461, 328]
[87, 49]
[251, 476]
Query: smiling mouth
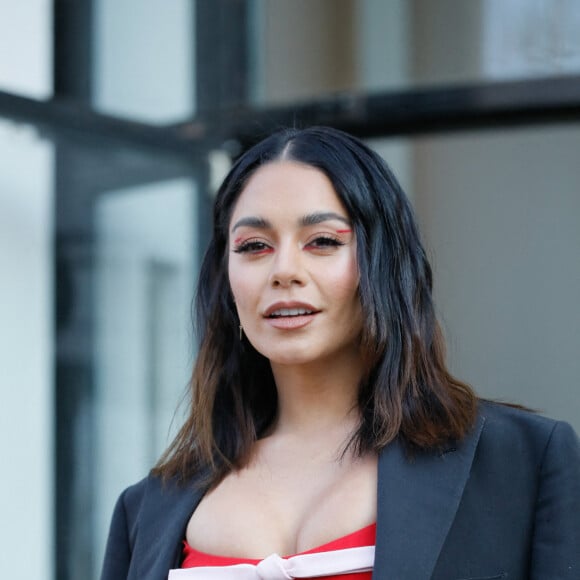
[289, 312]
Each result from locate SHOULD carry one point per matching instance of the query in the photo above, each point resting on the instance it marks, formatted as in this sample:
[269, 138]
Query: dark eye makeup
[324, 242]
[252, 246]
[259, 247]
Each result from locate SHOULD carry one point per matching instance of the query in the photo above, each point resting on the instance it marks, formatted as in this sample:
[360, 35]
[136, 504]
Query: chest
[259, 511]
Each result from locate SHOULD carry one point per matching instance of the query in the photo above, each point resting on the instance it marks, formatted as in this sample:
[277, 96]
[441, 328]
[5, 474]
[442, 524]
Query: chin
[289, 356]
[289, 359]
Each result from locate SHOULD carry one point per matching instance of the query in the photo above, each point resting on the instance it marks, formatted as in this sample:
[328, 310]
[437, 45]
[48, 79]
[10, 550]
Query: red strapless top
[363, 537]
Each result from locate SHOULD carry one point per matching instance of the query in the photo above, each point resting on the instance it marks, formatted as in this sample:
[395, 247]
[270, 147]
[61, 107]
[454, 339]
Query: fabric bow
[274, 567]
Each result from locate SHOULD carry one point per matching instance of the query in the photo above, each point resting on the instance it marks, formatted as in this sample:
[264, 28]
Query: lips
[287, 316]
[289, 310]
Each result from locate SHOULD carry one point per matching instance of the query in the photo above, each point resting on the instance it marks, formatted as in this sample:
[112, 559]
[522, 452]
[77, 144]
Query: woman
[324, 425]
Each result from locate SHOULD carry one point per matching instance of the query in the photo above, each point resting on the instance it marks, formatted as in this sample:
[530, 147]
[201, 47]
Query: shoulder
[502, 416]
[132, 497]
[523, 435]
[513, 419]
[534, 463]
[147, 528]
[151, 495]
[128, 508]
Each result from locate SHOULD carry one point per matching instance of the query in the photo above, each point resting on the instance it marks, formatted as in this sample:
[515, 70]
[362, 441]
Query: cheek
[241, 286]
[233, 279]
[344, 281]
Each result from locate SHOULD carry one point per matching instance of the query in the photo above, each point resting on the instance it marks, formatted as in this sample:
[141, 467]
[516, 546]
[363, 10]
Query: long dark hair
[407, 391]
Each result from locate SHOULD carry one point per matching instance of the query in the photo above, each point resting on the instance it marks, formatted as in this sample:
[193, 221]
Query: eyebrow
[316, 218]
[252, 222]
[308, 220]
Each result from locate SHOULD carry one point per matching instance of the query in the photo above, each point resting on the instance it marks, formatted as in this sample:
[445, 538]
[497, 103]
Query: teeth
[290, 312]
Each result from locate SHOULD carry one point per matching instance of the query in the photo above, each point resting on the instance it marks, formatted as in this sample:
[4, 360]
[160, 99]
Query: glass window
[144, 59]
[26, 349]
[307, 48]
[130, 226]
[145, 264]
[26, 48]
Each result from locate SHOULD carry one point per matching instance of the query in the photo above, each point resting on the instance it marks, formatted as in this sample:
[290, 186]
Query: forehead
[287, 188]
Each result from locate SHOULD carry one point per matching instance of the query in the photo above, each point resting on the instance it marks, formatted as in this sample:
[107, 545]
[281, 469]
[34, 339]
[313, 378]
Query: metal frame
[407, 112]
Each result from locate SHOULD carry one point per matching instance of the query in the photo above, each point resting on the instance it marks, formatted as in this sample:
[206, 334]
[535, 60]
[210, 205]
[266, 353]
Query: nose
[287, 267]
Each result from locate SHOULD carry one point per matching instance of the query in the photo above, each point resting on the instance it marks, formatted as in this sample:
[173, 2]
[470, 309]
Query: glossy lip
[278, 305]
[290, 322]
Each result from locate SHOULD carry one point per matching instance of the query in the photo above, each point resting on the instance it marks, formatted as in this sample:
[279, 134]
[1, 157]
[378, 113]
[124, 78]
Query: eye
[252, 247]
[324, 242]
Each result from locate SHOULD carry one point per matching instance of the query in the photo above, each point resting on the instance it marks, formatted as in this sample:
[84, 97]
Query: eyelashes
[252, 247]
[259, 247]
[325, 242]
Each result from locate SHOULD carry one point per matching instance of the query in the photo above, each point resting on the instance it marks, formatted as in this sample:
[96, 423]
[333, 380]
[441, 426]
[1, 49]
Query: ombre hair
[406, 392]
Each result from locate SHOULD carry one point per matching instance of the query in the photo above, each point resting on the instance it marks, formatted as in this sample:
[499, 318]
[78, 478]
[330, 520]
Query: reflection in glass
[380, 46]
[26, 348]
[145, 266]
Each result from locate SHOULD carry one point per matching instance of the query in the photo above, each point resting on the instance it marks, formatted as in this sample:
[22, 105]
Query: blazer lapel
[166, 510]
[417, 501]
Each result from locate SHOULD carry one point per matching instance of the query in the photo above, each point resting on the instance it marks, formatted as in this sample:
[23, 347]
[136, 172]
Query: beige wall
[501, 216]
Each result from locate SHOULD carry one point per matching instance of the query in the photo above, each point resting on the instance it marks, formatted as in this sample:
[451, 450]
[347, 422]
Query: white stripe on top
[274, 567]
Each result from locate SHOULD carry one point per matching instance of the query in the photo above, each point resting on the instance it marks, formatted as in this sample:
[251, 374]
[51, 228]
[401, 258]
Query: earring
[241, 332]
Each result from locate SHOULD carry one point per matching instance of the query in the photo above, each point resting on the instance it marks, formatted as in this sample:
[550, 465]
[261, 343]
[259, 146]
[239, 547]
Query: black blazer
[502, 503]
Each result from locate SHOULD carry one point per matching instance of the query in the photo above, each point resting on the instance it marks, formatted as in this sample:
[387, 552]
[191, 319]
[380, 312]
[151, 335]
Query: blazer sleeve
[117, 560]
[556, 537]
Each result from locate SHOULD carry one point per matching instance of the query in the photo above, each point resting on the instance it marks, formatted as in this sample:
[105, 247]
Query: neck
[318, 398]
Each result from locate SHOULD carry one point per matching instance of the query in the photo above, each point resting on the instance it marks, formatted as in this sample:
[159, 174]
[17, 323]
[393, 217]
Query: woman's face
[292, 266]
